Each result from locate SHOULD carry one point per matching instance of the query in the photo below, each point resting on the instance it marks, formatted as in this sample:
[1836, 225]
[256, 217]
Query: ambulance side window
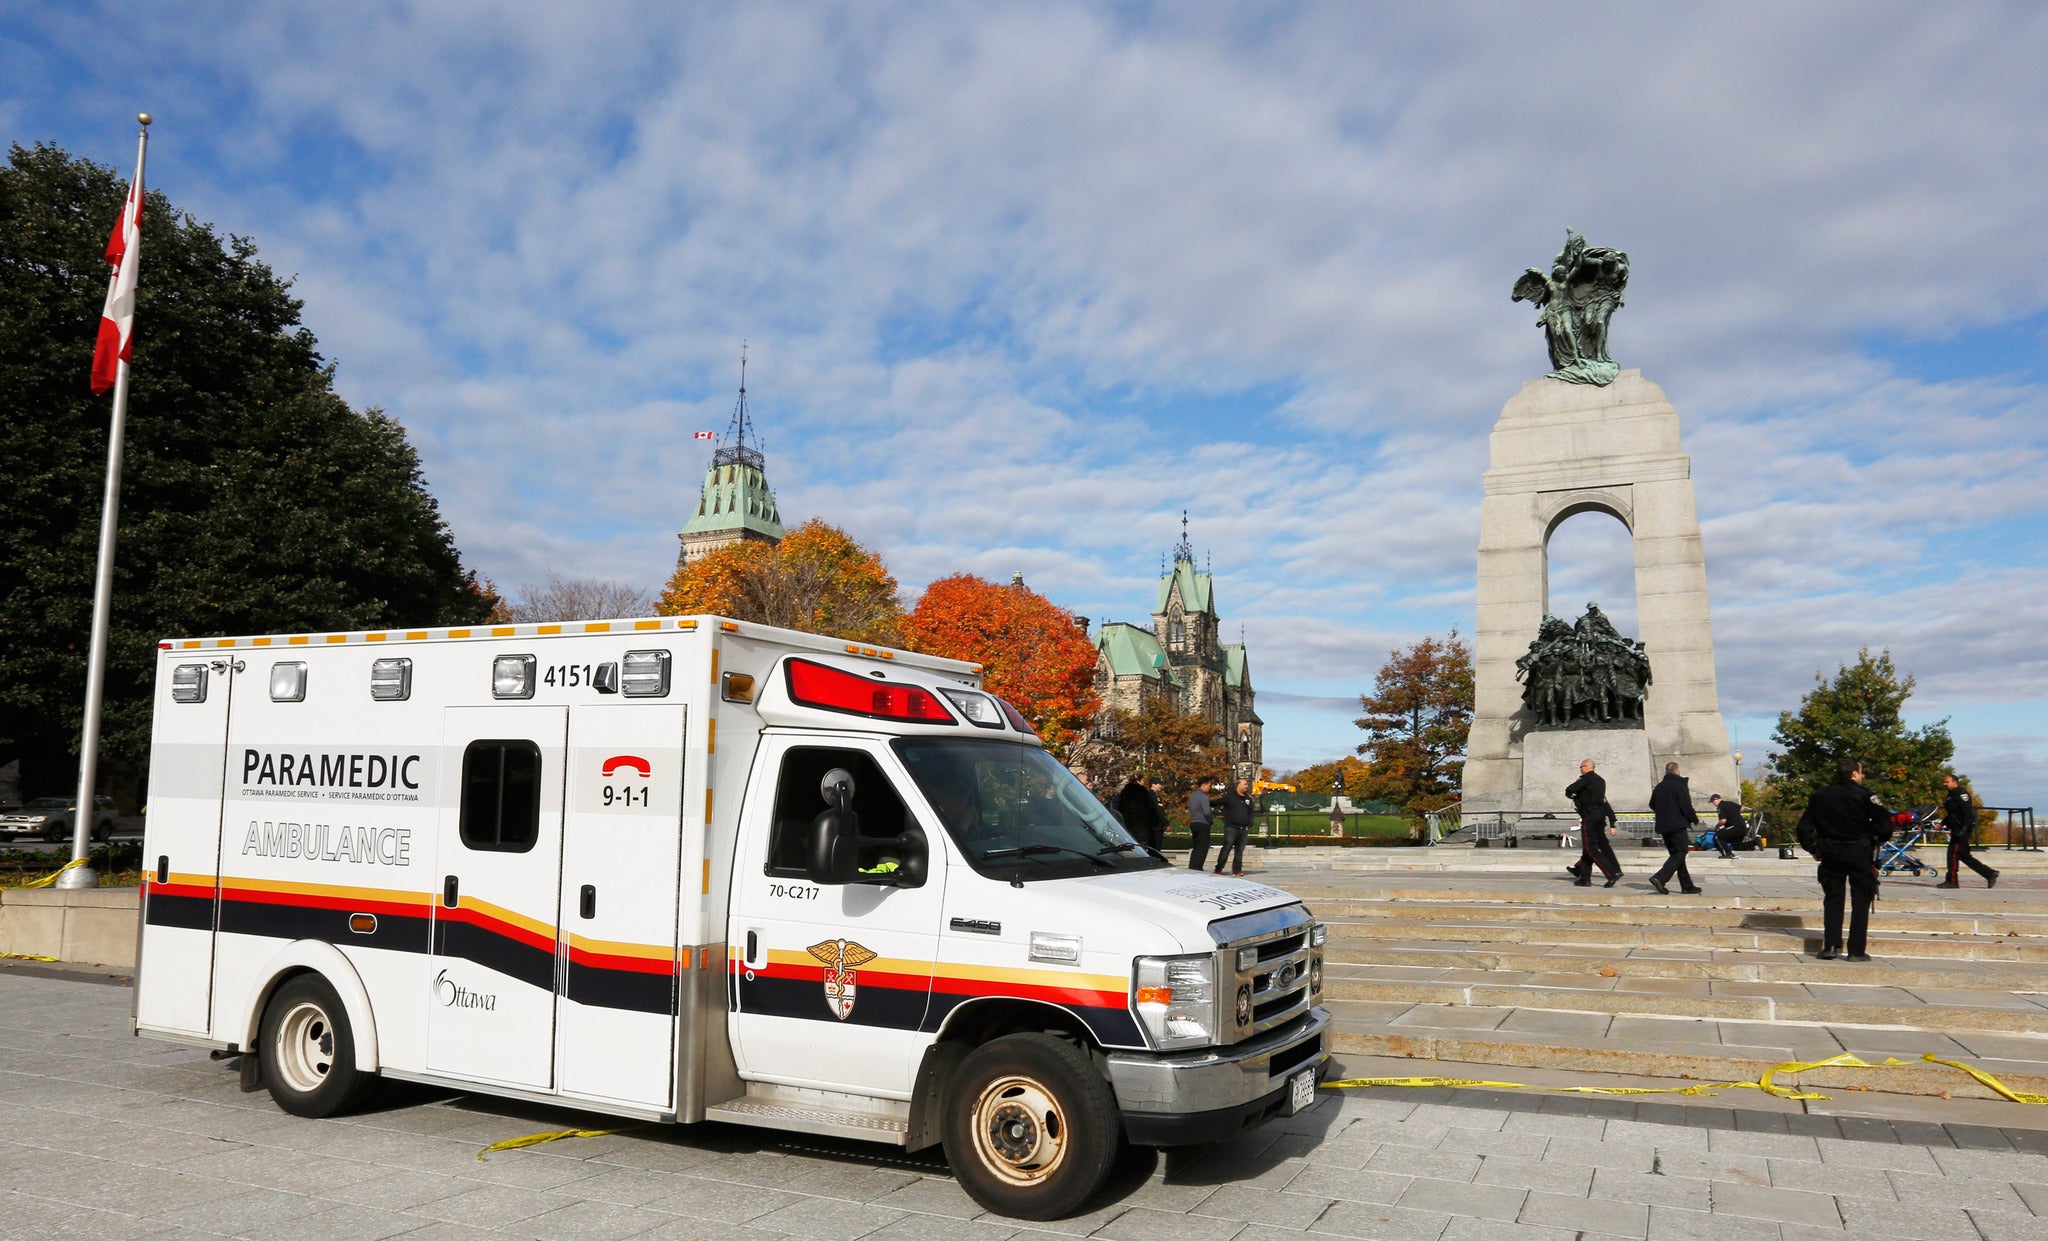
[501, 796]
[798, 800]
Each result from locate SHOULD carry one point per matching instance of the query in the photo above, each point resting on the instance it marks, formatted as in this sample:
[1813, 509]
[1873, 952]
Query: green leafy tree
[254, 500]
[1859, 714]
[1417, 718]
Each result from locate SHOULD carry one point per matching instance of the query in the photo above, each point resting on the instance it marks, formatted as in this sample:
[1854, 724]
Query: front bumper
[1186, 1098]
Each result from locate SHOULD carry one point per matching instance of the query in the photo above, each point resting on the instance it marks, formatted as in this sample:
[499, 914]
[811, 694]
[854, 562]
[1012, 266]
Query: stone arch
[1554, 509]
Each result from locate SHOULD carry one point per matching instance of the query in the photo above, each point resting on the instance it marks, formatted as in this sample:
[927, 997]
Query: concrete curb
[92, 925]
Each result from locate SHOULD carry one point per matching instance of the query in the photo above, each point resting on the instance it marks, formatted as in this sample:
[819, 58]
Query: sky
[1020, 283]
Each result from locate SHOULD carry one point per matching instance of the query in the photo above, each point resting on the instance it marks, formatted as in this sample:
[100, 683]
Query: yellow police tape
[51, 878]
[554, 1135]
[23, 956]
[1766, 1083]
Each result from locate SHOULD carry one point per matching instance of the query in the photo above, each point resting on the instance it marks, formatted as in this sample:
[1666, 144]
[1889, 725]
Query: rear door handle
[451, 891]
[753, 947]
[587, 903]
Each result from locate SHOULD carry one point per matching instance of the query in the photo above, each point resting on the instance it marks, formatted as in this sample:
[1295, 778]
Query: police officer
[1730, 828]
[1588, 795]
[1849, 823]
[1671, 800]
[1959, 813]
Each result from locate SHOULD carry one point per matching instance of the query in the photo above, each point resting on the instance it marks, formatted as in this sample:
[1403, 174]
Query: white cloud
[1012, 270]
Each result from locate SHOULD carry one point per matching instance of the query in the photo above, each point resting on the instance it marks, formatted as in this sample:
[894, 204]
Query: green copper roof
[1131, 651]
[1194, 588]
[735, 497]
[1233, 665]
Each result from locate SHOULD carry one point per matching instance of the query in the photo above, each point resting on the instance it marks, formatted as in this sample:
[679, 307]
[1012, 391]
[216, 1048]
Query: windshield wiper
[1032, 849]
[1124, 847]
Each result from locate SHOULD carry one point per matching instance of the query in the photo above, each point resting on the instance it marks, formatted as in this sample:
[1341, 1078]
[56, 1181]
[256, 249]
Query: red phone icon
[641, 765]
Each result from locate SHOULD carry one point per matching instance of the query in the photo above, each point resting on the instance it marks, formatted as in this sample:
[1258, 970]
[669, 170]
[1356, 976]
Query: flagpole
[79, 874]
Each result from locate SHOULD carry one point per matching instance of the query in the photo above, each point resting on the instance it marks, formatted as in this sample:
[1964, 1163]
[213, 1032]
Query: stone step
[1794, 964]
[1884, 938]
[1535, 857]
[1701, 1049]
[1553, 889]
[1625, 913]
[1821, 1002]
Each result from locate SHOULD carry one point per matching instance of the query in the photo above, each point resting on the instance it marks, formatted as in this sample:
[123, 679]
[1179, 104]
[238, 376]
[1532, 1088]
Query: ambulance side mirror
[835, 848]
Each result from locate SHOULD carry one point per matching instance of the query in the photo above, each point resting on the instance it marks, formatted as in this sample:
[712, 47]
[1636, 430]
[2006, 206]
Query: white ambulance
[690, 869]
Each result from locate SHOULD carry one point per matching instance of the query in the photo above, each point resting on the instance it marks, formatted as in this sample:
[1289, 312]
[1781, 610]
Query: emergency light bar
[816, 685]
[979, 709]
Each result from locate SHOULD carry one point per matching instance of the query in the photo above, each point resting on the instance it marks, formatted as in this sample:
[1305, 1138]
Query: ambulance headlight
[980, 709]
[644, 674]
[512, 676]
[1175, 1000]
[391, 680]
[287, 682]
[188, 683]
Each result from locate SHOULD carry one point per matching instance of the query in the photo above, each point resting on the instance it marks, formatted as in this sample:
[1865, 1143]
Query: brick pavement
[111, 1136]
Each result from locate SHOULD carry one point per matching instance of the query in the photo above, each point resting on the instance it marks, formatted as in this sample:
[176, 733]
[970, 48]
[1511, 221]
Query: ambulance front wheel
[307, 1051]
[1030, 1127]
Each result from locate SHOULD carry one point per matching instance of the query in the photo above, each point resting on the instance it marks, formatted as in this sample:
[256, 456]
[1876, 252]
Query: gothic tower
[736, 504]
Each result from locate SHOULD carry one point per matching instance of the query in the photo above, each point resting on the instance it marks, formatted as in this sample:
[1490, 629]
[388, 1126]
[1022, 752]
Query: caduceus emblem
[841, 957]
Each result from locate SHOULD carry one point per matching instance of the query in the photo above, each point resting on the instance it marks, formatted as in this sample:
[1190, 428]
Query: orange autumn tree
[1030, 650]
[817, 580]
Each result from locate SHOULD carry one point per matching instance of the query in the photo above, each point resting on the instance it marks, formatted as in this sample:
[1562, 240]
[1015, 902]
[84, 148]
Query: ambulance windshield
[1016, 813]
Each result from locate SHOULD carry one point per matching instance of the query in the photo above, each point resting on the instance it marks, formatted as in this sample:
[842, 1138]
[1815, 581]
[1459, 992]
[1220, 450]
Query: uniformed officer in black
[1850, 823]
[1959, 813]
[1588, 795]
[1730, 828]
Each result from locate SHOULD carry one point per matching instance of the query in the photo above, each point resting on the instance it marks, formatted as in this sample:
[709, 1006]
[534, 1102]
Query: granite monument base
[1551, 758]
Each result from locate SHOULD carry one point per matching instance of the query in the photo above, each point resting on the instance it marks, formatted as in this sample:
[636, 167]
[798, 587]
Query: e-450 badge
[841, 957]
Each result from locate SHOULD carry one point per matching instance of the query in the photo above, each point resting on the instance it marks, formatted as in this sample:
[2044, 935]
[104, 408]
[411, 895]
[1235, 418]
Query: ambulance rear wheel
[1030, 1128]
[307, 1051]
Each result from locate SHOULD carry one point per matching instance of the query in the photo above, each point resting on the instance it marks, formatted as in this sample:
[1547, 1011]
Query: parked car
[50, 818]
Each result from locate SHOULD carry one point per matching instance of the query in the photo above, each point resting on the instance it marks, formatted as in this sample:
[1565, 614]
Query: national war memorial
[1589, 437]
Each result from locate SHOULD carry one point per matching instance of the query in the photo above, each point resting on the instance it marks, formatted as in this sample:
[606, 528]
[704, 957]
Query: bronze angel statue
[1575, 301]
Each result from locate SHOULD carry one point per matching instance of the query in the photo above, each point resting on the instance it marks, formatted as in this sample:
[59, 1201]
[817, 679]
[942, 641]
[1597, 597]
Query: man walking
[1237, 824]
[1138, 809]
[1588, 795]
[1959, 813]
[1158, 789]
[1847, 824]
[1671, 802]
[1199, 815]
[1730, 828]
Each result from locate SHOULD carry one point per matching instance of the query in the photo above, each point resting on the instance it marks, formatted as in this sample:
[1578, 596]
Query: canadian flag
[117, 320]
[702, 435]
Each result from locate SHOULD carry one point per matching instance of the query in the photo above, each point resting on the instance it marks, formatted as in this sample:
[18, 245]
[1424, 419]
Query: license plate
[1301, 1091]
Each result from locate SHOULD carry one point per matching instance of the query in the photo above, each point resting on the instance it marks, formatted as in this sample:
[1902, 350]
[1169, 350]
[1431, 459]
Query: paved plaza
[113, 1136]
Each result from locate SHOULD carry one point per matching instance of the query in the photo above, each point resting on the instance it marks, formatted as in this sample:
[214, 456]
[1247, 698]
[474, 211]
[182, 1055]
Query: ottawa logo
[453, 994]
[841, 957]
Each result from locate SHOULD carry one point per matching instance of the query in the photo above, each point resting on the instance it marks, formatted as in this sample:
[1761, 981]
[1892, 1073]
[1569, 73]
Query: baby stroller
[1897, 853]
